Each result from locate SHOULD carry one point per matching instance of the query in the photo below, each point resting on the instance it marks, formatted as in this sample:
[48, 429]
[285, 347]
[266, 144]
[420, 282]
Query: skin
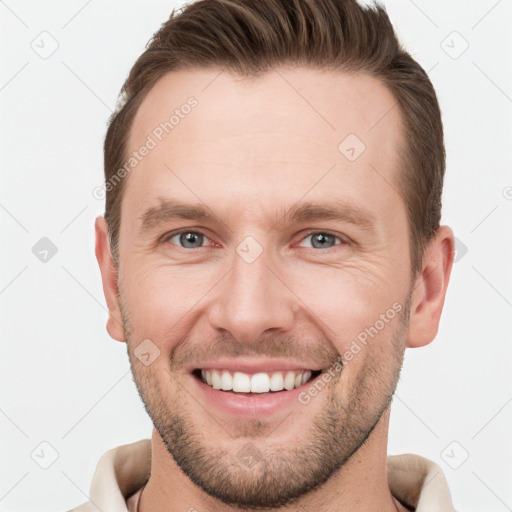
[252, 149]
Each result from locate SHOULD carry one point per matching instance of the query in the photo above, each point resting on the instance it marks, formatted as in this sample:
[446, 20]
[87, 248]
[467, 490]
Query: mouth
[254, 384]
[248, 388]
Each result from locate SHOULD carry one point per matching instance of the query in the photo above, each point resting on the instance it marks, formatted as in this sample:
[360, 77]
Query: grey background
[66, 384]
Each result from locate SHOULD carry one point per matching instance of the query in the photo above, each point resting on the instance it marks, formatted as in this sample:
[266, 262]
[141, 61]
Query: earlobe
[429, 290]
[108, 271]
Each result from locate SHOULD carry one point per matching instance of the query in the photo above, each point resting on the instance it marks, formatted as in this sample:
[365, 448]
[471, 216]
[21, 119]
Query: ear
[108, 271]
[430, 288]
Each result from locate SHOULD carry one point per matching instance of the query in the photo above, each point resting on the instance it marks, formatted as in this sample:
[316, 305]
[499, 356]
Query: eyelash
[168, 238]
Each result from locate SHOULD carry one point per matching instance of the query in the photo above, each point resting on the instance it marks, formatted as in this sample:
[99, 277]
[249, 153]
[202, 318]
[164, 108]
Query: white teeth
[261, 382]
[226, 381]
[216, 383]
[289, 381]
[241, 382]
[276, 382]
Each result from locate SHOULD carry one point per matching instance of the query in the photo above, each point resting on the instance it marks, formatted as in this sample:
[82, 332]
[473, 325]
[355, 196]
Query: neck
[360, 485]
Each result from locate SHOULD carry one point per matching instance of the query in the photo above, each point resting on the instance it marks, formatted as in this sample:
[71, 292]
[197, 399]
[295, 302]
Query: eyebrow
[169, 210]
[331, 210]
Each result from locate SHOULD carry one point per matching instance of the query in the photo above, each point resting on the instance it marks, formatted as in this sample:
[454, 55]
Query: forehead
[255, 135]
[314, 101]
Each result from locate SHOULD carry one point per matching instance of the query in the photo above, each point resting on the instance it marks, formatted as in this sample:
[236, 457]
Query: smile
[261, 382]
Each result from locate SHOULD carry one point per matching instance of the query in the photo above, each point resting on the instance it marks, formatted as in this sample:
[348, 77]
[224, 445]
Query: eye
[188, 239]
[320, 240]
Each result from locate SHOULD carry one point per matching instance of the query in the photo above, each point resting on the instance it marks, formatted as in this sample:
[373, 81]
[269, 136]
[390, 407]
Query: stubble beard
[281, 476]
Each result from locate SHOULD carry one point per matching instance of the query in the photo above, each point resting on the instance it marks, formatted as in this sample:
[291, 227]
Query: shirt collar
[417, 482]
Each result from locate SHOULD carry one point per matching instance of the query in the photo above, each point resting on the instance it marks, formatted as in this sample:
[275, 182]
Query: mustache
[313, 351]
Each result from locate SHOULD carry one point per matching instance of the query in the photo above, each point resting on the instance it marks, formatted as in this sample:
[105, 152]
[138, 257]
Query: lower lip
[251, 405]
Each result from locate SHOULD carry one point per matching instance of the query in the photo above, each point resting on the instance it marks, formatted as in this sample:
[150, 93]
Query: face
[264, 251]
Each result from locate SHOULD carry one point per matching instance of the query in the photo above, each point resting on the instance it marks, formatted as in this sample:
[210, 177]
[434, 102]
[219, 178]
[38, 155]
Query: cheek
[358, 312]
[347, 303]
[371, 365]
[162, 300]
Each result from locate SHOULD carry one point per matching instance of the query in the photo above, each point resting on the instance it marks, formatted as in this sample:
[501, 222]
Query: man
[270, 247]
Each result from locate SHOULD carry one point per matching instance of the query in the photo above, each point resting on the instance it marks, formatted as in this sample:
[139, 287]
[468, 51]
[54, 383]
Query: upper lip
[253, 365]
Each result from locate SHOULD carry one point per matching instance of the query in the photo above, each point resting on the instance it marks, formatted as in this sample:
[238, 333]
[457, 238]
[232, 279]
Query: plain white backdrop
[66, 384]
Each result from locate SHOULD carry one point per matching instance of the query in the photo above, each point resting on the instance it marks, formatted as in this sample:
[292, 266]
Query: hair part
[249, 37]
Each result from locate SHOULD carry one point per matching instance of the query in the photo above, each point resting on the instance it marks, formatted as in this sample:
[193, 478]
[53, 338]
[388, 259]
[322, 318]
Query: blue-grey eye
[321, 240]
[188, 239]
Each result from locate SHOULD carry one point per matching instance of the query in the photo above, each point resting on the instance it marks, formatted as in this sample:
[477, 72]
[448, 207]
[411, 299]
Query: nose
[252, 300]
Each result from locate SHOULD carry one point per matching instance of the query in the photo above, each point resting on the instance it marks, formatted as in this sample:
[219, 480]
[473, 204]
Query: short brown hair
[251, 36]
